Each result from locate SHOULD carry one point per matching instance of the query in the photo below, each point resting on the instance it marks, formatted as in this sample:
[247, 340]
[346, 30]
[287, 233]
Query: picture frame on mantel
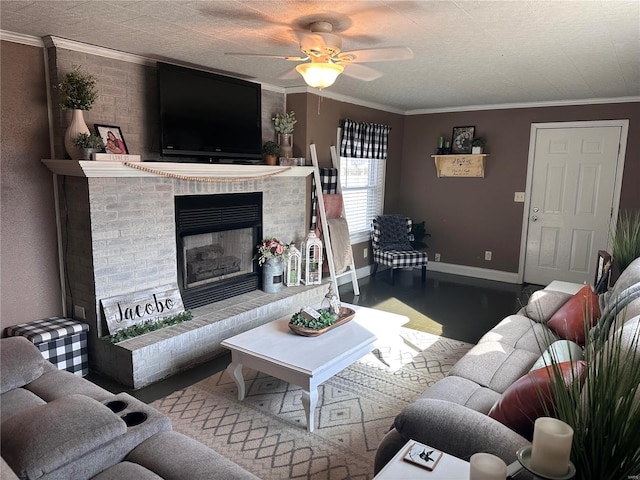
[113, 139]
[461, 139]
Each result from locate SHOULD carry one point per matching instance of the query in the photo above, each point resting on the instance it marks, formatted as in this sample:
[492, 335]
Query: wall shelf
[460, 165]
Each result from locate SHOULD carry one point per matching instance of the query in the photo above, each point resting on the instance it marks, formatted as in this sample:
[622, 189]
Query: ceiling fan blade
[376, 55]
[262, 55]
[361, 72]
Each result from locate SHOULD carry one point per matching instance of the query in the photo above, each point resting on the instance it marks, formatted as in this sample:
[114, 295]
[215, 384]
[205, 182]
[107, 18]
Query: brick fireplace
[118, 229]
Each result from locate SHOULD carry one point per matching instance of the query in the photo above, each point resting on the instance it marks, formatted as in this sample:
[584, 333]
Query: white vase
[476, 150]
[75, 128]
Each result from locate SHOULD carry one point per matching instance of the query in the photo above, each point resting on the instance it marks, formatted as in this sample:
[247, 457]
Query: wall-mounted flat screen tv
[208, 117]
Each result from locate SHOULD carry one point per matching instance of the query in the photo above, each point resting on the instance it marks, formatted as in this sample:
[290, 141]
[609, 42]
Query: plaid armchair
[390, 245]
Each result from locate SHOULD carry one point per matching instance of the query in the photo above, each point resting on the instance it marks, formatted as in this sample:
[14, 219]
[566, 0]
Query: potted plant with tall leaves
[604, 410]
[77, 92]
[625, 239]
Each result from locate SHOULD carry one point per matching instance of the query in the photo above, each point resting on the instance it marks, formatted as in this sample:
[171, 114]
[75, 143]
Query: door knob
[536, 209]
[534, 218]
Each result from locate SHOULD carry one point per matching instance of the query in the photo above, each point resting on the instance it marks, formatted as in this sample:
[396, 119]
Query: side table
[448, 468]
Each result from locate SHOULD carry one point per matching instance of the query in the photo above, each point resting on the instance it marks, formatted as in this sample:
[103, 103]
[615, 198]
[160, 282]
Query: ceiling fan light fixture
[320, 75]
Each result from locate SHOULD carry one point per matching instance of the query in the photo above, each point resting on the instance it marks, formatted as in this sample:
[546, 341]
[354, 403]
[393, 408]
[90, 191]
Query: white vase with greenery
[77, 93]
[283, 124]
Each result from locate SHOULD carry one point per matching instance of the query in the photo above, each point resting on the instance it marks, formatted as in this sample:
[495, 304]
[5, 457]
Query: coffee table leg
[309, 402]
[235, 372]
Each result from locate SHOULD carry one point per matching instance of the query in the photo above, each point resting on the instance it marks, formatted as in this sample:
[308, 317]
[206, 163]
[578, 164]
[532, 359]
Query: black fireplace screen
[216, 237]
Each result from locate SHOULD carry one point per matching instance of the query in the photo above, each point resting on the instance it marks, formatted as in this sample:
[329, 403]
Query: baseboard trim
[463, 270]
[476, 272]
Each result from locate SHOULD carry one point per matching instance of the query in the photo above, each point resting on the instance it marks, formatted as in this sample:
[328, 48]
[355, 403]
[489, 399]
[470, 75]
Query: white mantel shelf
[92, 169]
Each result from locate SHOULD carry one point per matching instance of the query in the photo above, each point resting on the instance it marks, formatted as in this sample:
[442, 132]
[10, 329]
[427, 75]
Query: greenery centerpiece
[77, 92]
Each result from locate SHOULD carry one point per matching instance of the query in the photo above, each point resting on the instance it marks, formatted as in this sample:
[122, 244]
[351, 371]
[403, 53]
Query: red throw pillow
[525, 400]
[579, 313]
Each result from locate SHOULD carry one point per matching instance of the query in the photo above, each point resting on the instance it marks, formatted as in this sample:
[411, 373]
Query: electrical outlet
[487, 255]
[518, 197]
[365, 252]
[79, 313]
[437, 257]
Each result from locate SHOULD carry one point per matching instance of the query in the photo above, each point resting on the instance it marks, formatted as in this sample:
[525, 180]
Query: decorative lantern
[292, 272]
[312, 260]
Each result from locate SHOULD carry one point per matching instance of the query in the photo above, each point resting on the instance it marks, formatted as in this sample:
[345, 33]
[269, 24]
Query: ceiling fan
[323, 49]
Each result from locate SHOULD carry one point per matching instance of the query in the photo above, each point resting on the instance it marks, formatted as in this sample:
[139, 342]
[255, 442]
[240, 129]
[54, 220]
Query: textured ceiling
[467, 53]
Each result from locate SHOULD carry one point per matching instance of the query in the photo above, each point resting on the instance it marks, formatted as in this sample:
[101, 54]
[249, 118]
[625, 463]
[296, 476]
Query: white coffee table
[448, 468]
[274, 349]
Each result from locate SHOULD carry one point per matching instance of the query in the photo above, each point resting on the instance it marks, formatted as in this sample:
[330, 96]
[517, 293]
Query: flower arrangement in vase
[270, 248]
[271, 252]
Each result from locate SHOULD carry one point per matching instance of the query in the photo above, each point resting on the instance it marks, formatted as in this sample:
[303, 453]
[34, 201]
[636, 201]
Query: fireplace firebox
[216, 237]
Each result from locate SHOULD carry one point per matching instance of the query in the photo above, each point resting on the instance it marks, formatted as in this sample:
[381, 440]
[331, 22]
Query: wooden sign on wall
[152, 304]
[460, 165]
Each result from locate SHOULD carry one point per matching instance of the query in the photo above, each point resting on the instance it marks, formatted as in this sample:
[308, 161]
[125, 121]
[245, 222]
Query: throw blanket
[393, 233]
[340, 243]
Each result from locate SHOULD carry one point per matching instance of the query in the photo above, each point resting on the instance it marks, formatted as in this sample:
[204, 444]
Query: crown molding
[59, 42]
[507, 106]
[343, 98]
[21, 38]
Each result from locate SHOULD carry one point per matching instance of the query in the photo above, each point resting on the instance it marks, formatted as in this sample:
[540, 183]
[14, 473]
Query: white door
[571, 202]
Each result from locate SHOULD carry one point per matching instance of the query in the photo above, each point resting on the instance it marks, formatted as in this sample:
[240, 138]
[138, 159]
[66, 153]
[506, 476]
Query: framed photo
[461, 139]
[112, 138]
[423, 456]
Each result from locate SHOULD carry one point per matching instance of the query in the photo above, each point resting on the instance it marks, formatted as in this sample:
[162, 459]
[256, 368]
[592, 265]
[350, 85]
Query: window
[362, 183]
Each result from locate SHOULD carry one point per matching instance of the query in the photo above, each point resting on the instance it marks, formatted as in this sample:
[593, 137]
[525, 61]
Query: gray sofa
[452, 415]
[56, 425]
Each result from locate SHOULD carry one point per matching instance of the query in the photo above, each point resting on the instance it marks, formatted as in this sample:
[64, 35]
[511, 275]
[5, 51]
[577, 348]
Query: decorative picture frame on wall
[461, 139]
[113, 139]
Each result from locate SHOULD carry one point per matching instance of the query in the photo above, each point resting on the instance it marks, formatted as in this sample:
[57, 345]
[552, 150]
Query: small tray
[345, 315]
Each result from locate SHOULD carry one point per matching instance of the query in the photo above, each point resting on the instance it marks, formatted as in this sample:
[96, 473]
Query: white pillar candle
[551, 447]
[484, 466]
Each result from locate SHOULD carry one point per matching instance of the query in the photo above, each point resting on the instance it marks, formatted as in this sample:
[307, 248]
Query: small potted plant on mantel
[271, 151]
[88, 144]
[477, 144]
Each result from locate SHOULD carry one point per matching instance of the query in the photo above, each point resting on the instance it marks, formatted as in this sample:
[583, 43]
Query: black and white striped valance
[364, 140]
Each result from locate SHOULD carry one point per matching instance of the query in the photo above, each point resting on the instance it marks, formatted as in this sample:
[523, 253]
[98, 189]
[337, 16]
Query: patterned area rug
[266, 432]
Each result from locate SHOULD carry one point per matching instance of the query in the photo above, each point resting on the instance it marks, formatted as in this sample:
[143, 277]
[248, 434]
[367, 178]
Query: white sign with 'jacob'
[125, 310]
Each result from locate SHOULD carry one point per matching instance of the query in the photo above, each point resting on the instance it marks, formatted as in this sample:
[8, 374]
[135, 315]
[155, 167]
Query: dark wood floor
[457, 307]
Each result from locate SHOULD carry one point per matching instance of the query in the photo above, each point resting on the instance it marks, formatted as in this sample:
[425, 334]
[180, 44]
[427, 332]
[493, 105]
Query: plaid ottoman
[62, 341]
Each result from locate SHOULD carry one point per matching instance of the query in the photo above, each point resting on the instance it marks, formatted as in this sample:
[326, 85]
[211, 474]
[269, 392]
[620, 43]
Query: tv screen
[207, 115]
